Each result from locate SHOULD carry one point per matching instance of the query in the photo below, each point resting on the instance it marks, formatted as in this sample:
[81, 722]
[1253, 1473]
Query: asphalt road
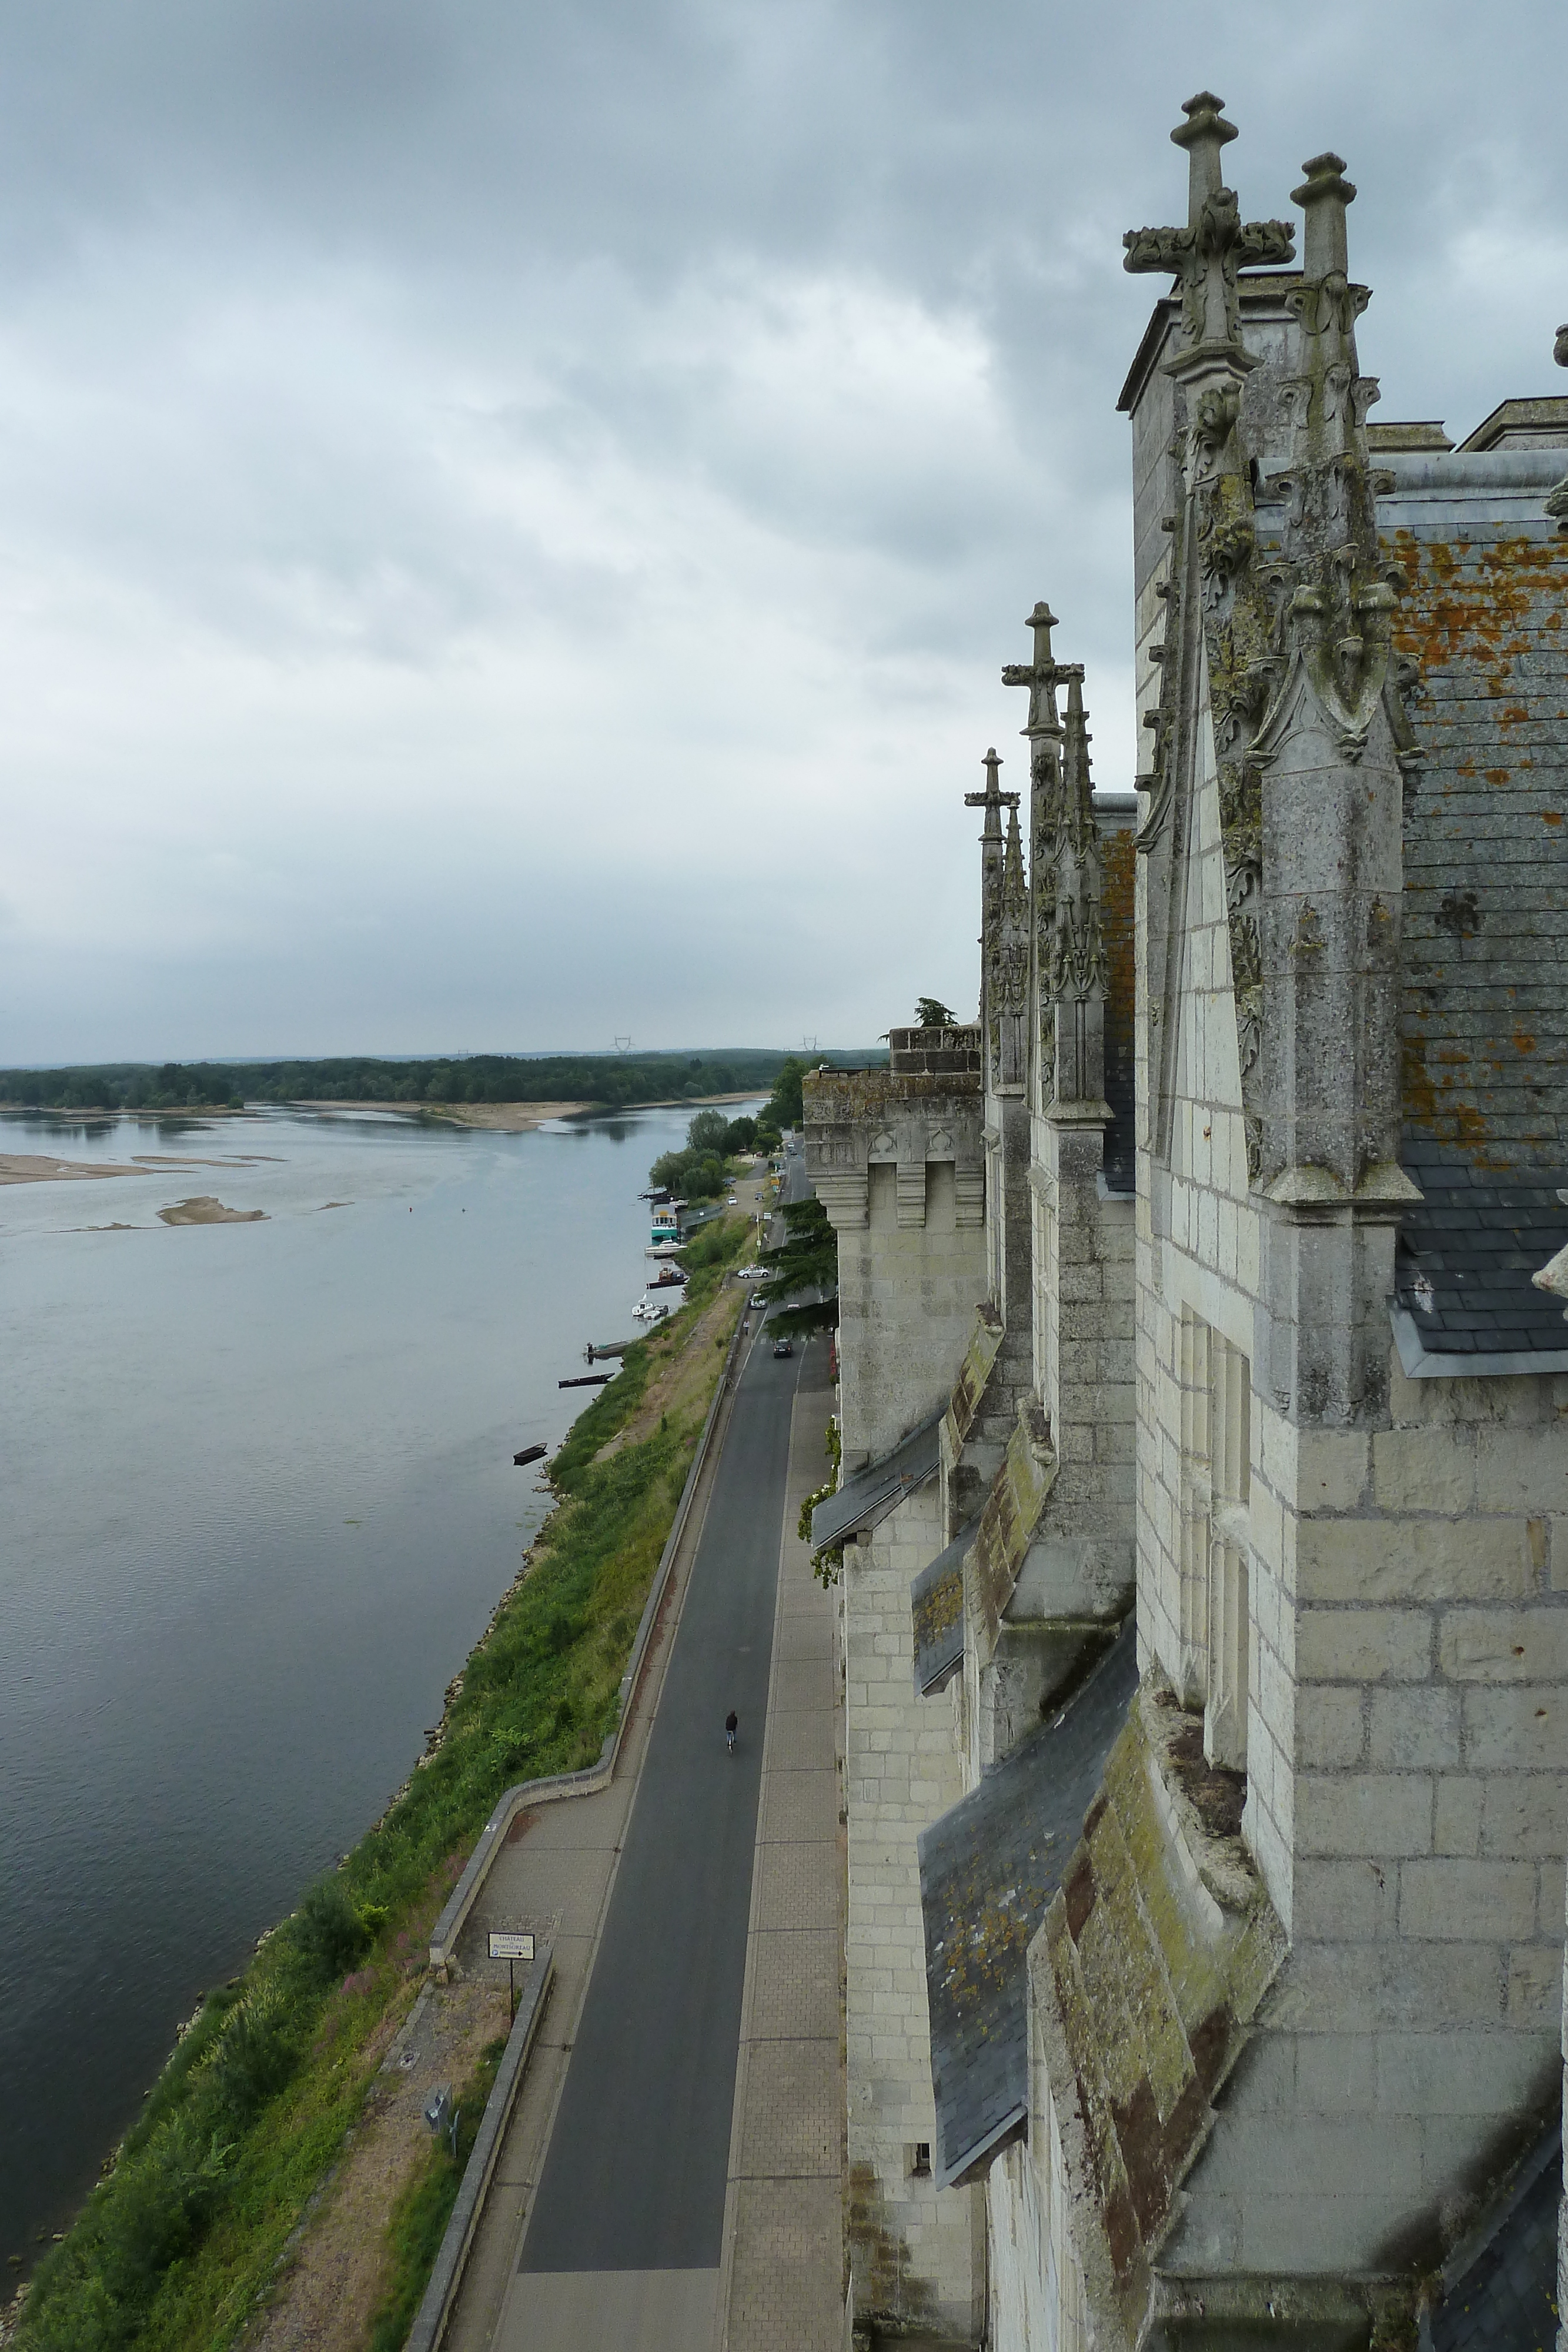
[634, 2178]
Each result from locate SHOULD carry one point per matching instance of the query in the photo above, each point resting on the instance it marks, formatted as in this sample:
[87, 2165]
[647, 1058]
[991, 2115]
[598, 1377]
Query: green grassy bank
[178, 2242]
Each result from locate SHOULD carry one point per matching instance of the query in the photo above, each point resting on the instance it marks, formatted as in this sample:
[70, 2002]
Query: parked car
[757, 1299]
[783, 1348]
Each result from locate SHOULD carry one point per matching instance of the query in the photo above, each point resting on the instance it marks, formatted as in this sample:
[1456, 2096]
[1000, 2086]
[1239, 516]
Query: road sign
[504, 1945]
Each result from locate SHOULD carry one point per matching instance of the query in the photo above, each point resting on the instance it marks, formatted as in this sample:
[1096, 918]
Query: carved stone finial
[1042, 620]
[1040, 675]
[992, 799]
[1215, 244]
[1074, 980]
[1329, 403]
[1557, 499]
[1324, 196]
[1203, 135]
[1553, 1274]
[1078, 790]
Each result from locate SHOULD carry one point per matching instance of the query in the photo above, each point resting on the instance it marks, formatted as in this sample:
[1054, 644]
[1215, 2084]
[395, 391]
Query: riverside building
[1204, 1405]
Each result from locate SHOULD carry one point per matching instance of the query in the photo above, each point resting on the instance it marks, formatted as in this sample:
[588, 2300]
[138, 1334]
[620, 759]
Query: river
[257, 1503]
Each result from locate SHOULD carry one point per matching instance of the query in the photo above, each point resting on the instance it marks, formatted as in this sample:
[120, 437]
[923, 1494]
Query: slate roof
[1462, 1287]
[1499, 2286]
[868, 1498]
[936, 1604]
[988, 1868]
[1485, 918]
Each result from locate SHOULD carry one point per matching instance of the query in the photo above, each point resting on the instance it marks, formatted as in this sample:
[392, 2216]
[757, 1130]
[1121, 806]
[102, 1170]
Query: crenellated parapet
[907, 1120]
[897, 1158]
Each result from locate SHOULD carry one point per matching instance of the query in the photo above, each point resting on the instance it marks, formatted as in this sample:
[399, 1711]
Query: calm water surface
[256, 1504]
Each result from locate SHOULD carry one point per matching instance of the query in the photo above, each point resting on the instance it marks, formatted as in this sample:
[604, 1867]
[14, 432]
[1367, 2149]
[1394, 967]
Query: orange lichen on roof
[1479, 627]
[1420, 1094]
[1456, 616]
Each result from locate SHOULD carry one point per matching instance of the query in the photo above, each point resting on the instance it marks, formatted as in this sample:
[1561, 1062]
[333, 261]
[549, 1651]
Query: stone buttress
[1293, 2008]
[897, 1158]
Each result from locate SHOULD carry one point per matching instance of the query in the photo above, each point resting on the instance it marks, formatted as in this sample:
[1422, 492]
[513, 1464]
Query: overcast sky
[511, 511]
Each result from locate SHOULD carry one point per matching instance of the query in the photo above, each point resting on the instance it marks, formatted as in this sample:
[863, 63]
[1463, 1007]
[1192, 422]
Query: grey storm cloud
[510, 519]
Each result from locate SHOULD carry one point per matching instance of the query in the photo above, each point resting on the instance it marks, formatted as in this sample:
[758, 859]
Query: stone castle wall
[916, 2249]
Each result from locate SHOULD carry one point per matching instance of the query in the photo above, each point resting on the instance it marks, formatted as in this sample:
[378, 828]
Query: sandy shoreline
[205, 1209]
[501, 1118]
[43, 1168]
[39, 1168]
[515, 1118]
[494, 1119]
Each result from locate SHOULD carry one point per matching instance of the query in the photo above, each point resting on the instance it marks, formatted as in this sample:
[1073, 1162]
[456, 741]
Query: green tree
[807, 1260]
[783, 1105]
[931, 1013]
[707, 1131]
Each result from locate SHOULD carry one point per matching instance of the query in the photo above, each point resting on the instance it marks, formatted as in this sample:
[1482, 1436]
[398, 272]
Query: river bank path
[673, 2173]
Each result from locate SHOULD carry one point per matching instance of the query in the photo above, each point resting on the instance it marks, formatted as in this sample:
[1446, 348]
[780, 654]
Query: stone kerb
[447, 2275]
[528, 1793]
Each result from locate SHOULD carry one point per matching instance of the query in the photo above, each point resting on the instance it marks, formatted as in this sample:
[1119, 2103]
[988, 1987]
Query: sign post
[506, 1945]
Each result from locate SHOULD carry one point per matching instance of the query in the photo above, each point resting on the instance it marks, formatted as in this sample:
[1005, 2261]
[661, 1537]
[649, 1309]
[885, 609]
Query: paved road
[634, 2179]
[797, 1186]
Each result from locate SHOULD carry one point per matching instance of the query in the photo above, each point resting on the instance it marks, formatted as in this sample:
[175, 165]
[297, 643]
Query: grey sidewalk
[556, 1875]
[781, 2289]
[780, 2283]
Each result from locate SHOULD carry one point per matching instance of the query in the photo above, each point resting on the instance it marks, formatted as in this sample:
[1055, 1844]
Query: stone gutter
[592, 1777]
[447, 2275]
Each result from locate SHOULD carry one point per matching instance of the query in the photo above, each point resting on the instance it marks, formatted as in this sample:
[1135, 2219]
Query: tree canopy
[700, 1173]
[806, 1262]
[931, 1013]
[782, 1107]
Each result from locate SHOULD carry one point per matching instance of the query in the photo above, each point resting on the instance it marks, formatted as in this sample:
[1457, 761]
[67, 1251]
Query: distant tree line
[614, 1080]
[125, 1085]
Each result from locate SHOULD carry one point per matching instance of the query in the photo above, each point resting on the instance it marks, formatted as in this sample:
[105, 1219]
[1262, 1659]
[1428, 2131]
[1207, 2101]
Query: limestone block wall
[897, 1163]
[1199, 1238]
[1036, 2282]
[1082, 1562]
[1422, 1704]
[1405, 1631]
[917, 2251]
[1008, 1236]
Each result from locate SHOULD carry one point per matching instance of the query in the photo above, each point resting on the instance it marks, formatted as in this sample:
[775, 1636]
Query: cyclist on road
[731, 1726]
